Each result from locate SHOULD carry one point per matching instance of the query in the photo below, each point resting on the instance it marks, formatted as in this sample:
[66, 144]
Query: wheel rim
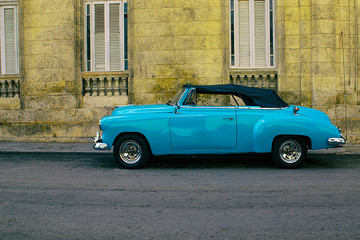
[130, 151]
[290, 151]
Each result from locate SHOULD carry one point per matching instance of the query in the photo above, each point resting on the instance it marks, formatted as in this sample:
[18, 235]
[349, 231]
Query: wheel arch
[306, 139]
[132, 133]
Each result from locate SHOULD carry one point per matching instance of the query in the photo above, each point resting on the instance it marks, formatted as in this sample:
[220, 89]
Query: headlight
[339, 129]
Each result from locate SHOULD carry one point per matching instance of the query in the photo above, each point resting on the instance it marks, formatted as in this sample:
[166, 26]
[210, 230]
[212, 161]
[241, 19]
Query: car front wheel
[131, 151]
[289, 152]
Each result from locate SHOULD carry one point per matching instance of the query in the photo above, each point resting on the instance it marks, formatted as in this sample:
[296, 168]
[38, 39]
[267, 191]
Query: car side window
[191, 98]
[218, 100]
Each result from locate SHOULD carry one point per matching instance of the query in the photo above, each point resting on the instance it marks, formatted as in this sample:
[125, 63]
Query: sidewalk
[25, 147]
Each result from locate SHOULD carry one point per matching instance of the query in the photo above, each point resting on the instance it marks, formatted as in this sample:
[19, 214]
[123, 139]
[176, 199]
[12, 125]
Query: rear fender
[315, 132]
[265, 131]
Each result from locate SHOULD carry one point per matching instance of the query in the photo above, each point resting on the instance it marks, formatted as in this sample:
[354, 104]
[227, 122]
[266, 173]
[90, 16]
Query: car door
[198, 127]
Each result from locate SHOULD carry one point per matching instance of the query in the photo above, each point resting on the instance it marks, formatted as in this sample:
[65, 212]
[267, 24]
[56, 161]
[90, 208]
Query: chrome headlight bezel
[339, 129]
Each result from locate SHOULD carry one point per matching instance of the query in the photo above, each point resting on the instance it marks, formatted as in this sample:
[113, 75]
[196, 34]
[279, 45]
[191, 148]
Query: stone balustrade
[267, 80]
[9, 88]
[105, 86]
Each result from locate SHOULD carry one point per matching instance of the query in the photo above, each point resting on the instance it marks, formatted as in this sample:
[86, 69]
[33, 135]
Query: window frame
[3, 68]
[270, 56]
[89, 59]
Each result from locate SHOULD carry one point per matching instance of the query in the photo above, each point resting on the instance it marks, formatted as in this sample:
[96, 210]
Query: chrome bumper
[336, 141]
[98, 144]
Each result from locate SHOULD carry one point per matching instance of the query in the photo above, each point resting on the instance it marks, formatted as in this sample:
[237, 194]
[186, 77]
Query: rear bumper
[98, 144]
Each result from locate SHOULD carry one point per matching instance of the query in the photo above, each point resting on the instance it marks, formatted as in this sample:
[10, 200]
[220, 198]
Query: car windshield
[177, 97]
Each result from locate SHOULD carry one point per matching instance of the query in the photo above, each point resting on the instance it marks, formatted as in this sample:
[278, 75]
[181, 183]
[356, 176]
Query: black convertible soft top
[250, 95]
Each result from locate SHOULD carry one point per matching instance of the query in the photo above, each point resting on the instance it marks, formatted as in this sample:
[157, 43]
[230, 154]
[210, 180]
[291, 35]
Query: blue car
[217, 119]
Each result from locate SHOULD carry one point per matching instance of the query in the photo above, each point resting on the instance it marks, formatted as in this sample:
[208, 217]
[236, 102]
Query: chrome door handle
[230, 118]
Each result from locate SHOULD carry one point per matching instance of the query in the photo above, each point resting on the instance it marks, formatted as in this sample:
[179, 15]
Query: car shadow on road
[211, 162]
[242, 161]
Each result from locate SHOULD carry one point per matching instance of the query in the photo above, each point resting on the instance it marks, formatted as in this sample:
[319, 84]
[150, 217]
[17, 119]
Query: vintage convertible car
[217, 119]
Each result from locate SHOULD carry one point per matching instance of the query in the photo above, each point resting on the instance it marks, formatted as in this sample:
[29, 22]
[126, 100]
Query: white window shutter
[115, 37]
[244, 34]
[99, 36]
[10, 41]
[260, 31]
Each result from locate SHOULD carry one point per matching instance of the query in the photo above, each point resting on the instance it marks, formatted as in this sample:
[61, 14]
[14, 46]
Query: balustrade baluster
[112, 86]
[123, 90]
[6, 89]
[106, 82]
[12, 88]
[126, 85]
[260, 81]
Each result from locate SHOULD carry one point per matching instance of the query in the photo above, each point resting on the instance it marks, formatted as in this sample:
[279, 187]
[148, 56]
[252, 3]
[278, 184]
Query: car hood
[133, 109]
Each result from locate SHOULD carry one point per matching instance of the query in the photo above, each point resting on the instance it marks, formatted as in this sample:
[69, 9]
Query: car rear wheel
[131, 151]
[289, 152]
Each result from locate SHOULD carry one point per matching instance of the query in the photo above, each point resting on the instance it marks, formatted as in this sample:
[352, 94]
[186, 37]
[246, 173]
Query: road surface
[86, 196]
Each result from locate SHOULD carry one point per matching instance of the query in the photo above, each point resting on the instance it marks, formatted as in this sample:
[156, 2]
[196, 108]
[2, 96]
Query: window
[8, 40]
[252, 33]
[213, 99]
[106, 36]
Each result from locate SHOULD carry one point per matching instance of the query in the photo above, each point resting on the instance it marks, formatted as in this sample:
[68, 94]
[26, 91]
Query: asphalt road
[86, 196]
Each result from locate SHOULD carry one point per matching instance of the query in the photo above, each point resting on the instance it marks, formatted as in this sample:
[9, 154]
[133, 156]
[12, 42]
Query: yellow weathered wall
[318, 58]
[48, 67]
[173, 43]
[51, 106]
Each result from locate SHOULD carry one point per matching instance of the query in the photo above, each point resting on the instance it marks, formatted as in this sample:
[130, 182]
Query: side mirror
[177, 107]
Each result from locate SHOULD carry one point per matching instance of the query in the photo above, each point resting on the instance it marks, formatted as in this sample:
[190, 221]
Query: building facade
[64, 64]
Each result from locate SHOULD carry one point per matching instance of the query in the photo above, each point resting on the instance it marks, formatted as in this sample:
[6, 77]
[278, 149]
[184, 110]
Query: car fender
[268, 128]
[154, 127]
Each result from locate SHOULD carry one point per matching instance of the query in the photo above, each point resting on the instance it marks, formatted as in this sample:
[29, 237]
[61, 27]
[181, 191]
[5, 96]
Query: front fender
[154, 127]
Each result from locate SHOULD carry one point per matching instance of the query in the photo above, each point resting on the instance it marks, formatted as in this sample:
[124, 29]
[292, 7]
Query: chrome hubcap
[290, 151]
[130, 151]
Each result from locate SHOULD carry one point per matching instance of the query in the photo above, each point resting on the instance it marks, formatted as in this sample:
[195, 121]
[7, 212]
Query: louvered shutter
[244, 34]
[99, 37]
[115, 37]
[10, 41]
[260, 39]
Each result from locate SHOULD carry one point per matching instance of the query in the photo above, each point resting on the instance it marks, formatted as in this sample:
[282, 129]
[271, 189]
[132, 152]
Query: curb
[48, 148]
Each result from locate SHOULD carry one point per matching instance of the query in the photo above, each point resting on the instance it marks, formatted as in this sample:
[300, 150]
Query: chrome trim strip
[263, 108]
[231, 107]
[207, 107]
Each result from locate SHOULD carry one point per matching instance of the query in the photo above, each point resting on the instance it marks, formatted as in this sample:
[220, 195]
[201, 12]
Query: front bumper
[336, 141]
[98, 144]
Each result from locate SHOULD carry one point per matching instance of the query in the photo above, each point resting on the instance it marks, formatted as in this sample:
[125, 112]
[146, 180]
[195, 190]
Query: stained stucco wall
[176, 42]
[172, 43]
[51, 105]
[318, 58]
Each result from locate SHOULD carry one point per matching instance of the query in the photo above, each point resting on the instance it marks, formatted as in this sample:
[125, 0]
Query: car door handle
[229, 118]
